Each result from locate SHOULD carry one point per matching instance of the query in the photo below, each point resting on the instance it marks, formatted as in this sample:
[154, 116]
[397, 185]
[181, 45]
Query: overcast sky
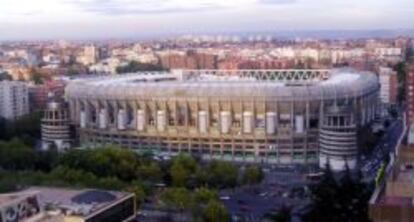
[33, 19]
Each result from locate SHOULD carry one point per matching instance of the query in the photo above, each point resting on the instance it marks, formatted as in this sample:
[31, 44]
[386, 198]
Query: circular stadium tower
[262, 116]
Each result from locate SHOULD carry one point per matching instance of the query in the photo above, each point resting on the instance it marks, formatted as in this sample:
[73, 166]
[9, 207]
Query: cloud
[125, 7]
[277, 2]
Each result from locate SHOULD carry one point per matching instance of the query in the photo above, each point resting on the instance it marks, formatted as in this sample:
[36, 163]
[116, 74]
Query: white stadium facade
[262, 116]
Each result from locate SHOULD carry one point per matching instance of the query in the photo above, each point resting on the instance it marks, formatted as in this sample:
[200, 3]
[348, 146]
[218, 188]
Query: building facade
[38, 94]
[409, 94]
[55, 126]
[14, 99]
[389, 86]
[269, 116]
[393, 199]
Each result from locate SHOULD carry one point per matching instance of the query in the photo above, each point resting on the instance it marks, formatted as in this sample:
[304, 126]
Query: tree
[215, 212]
[283, 215]
[324, 198]
[104, 162]
[150, 172]
[401, 75]
[179, 175]
[219, 174]
[204, 195]
[139, 192]
[252, 175]
[5, 76]
[177, 198]
[343, 201]
[15, 155]
[182, 168]
[135, 66]
[37, 78]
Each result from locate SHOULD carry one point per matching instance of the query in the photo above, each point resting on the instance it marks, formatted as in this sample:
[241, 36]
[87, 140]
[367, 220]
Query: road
[282, 187]
[385, 146]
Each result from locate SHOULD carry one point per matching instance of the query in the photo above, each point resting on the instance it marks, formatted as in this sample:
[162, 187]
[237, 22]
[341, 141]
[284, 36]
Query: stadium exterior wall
[263, 116]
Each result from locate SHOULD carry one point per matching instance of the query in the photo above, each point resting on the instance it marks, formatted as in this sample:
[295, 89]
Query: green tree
[400, 68]
[103, 162]
[179, 175]
[135, 66]
[150, 172]
[15, 155]
[204, 195]
[252, 175]
[37, 78]
[139, 191]
[5, 76]
[219, 174]
[215, 212]
[342, 202]
[177, 198]
[283, 215]
[182, 168]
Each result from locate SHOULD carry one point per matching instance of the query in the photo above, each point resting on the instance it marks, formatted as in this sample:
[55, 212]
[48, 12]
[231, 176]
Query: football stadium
[252, 116]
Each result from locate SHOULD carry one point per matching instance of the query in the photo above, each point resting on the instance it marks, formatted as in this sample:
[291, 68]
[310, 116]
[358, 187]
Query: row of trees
[135, 66]
[191, 185]
[203, 203]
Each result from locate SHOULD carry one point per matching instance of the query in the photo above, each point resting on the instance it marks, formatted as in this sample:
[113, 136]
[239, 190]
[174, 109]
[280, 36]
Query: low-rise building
[394, 199]
[48, 204]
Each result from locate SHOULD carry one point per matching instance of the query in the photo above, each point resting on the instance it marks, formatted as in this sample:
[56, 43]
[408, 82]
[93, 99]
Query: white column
[140, 120]
[270, 123]
[121, 119]
[161, 120]
[248, 122]
[299, 124]
[83, 119]
[103, 122]
[225, 121]
[202, 121]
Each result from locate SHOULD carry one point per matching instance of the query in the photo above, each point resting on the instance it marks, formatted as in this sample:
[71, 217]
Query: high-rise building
[389, 85]
[14, 99]
[409, 94]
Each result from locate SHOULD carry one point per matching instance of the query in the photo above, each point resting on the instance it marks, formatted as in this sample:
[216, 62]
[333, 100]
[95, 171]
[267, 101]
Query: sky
[86, 19]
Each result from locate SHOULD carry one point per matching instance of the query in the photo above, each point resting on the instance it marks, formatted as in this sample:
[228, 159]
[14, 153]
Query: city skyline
[91, 19]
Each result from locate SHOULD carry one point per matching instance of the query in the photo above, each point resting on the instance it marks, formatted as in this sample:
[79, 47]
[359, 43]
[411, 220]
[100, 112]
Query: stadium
[252, 116]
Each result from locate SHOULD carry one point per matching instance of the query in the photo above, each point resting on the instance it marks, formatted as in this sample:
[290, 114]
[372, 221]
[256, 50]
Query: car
[263, 194]
[225, 198]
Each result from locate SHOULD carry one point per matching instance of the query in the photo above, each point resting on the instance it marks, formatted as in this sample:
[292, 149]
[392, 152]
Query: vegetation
[215, 212]
[343, 200]
[282, 215]
[367, 139]
[400, 68]
[218, 174]
[27, 128]
[5, 76]
[191, 186]
[135, 66]
[252, 175]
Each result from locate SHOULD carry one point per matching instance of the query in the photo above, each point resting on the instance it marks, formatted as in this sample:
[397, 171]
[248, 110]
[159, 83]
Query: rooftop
[82, 202]
[300, 84]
